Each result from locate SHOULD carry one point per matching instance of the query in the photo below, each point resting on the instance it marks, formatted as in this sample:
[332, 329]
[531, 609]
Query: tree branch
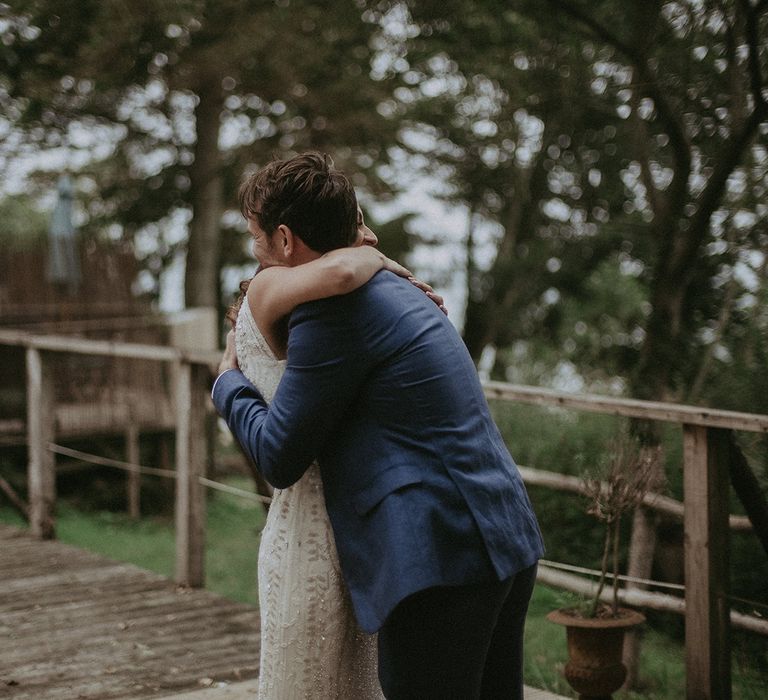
[684, 256]
[751, 31]
[748, 490]
[713, 192]
[650, 86]
[656, 198]
[599, 30]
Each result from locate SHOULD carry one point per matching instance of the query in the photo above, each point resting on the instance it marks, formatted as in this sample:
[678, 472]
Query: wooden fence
[705, 479]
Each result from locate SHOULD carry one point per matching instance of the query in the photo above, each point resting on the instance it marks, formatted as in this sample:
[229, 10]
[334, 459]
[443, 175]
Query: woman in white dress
[311, 646]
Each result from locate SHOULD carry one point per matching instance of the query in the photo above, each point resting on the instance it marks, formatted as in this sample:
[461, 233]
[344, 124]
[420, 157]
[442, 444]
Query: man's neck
[302, 253]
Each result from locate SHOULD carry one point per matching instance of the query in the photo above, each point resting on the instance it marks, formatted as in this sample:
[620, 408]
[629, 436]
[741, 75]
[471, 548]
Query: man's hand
[229, 358]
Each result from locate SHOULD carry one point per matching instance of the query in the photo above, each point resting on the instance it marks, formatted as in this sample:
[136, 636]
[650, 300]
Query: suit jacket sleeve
[325, 368]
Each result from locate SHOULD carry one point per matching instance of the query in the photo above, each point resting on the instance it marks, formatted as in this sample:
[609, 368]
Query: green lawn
[233, 533]
[232, 540]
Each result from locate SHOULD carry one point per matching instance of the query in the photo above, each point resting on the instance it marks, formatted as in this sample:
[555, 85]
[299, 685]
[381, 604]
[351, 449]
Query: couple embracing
[400, 549]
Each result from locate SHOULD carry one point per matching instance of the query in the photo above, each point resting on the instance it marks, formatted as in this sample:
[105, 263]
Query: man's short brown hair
[307, 194]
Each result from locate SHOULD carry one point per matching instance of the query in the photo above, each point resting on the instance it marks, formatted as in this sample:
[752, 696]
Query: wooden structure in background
[189, 407]
[92, 395]
[104, 292]
[98, 394]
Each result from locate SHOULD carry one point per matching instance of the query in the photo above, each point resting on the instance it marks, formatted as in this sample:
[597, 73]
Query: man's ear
[285, 241]
[291, 246]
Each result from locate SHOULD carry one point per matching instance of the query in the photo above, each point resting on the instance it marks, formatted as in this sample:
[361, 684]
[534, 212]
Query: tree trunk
[499, 287]
[201, 281]
[748, 489]
[641, 550]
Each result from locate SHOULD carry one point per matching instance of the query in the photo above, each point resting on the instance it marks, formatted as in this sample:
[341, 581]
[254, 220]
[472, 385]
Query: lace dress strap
[256, 359]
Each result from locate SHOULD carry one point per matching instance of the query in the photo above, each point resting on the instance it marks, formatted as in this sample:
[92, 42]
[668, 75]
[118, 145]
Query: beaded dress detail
[311, 646]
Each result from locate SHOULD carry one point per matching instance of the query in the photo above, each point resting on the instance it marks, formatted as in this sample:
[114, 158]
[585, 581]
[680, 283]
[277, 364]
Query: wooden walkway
[76, 626]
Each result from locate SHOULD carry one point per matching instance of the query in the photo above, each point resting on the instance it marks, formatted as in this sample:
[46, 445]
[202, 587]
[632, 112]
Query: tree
[187, 94]
[633, 217]
[629, 163]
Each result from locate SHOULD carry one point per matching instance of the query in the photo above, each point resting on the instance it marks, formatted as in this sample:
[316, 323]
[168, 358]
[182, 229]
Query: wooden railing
[192, 378]
[705, 479]
[705, 517]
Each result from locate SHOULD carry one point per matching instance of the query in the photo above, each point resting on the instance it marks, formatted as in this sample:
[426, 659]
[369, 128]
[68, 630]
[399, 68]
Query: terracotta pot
[594, 668]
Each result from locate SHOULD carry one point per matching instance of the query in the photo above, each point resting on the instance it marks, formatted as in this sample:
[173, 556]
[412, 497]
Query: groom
[436, 536]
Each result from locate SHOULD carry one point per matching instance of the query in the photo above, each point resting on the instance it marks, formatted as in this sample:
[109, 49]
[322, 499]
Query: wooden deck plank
[188, 627]
[61, 594]
[159, 608]
[77, 626]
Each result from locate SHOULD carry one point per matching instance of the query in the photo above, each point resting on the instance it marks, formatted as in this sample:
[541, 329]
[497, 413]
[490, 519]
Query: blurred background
[586, 182]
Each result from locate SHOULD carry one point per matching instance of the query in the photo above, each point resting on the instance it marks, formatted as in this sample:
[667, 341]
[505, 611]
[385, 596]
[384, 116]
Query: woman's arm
[275, 291]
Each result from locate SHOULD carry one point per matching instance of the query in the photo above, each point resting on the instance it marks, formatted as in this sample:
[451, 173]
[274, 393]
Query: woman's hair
[307, 194]
[234, 309]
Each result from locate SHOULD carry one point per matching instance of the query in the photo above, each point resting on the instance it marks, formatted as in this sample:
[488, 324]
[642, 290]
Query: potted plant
[595, 630]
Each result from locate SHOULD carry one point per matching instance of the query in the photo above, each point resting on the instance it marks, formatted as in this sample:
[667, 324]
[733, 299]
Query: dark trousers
[457, 642]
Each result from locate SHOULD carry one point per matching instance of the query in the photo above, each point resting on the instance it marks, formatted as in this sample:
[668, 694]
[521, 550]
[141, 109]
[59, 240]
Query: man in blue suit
[436, 536]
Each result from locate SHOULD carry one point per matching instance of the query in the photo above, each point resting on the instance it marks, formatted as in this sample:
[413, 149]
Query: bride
[311, 646]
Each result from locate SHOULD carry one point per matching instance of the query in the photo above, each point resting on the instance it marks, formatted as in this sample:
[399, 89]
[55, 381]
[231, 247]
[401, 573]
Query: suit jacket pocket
[383, 484]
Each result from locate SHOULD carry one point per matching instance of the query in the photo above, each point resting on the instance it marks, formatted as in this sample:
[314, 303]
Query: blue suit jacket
[420, 488]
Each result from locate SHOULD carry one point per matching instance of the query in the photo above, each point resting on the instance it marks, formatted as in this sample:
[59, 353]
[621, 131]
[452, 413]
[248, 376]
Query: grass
[233, 532]
[232, 540]
[234, 527]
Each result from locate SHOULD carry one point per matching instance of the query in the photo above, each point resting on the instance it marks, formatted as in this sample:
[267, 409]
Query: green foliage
[614, 142]
[22, 225]
[611, 154]
[556, 440]
[573, 442]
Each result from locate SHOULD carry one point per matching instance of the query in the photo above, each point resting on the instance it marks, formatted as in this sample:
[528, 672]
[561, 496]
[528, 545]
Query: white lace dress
[311, 646]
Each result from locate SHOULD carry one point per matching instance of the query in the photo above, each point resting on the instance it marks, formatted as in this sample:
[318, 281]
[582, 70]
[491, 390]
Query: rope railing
[153, 471]
[531, 476]
[595, 573]
[640, 598]
[109, 462]
[226, 488]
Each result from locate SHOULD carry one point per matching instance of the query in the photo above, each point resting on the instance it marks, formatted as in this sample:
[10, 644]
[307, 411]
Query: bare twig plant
[617, 488]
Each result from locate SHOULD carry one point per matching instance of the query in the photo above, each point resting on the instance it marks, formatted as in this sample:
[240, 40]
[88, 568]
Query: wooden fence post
[132, 455]
[191, 456]
[707, 623]
[41, 472]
